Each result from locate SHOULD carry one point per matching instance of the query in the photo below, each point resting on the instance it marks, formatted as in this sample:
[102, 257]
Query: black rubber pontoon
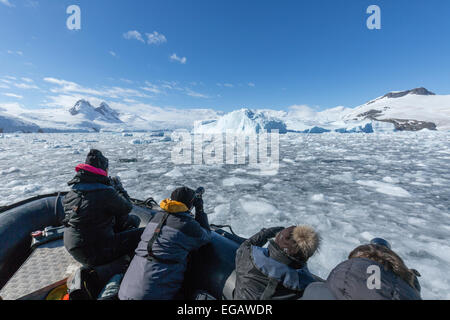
[209, 268]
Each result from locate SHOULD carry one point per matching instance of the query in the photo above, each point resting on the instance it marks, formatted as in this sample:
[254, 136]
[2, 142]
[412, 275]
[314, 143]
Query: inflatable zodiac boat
[34, 264]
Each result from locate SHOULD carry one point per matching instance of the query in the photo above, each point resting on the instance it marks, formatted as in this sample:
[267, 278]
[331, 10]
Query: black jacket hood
[87, 177]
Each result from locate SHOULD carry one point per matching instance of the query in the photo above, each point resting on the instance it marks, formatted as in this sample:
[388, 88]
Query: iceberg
[243, 121]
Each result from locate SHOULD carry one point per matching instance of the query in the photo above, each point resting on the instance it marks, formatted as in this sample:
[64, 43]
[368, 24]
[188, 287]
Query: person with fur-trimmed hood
[99, 228]
[372, 272]
[280, 271]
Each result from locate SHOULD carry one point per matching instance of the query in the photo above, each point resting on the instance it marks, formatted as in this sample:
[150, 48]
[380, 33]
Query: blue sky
[221, 54]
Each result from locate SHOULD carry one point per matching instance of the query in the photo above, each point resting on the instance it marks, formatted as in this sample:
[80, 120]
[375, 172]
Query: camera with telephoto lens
[199, 192]
[117, 183]
[197, 202]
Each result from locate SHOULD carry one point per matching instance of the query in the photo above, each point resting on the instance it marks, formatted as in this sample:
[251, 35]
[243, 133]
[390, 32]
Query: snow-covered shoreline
[410, 110]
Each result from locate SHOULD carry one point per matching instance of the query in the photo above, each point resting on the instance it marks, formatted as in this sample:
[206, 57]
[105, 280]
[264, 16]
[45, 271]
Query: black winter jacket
[94, 211]
[258, 269]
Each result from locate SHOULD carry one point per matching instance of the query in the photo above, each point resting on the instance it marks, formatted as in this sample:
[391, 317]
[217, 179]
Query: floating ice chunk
[221, 211]
[136, 141]
[238, 170]
[260, 207]
[367, 236]
[390, 180]
[166, 139]
[385, 188]
[318, 198]
[9, 171]
[270, 186]
[230, 182]
[290, 161]
[416, 221]
[175, 173]
[344, 177]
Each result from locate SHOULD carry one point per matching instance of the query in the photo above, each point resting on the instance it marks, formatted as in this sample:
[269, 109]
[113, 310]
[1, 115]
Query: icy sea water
[350, 187]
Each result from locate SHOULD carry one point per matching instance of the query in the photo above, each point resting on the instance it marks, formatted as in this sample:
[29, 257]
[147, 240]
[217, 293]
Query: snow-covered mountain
[12, 124]
[107, 112]
[410, 110]
[81, 117]
[84, 110]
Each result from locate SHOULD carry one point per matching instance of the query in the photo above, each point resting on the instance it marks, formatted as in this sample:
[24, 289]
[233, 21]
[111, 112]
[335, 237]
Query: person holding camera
[280, 271]
[157, 269]
[98, 227]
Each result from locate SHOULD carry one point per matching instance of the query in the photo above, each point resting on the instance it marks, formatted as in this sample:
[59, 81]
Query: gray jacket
[348, 281]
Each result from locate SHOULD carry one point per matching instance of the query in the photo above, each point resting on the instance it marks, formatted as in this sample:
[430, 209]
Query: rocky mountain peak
[417, 91]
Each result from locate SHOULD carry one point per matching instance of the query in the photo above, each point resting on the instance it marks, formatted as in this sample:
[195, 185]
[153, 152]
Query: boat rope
[220, 226]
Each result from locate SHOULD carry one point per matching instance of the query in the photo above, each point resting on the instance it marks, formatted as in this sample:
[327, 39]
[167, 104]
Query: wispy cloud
[195, 94]
[68, 86]
[113, 53]
[228, 85]
[19, 53]
[13, 95]
[26, 86]
[134, 35]
[156, 38]
[174, 57]
[32, 4]
[65, 87]
[251, 84]
[126, 80]
[6, 3]
[149, 87]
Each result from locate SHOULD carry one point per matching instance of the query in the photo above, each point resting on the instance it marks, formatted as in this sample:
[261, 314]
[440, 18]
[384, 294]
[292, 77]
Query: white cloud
[136, 35]
[110, 92]
[12, 95]
[302, 111]
[68, 86]
[156, 38]
[151, 88]
[26, 86]
[27, 80]
[19, 53]
[251, 84]
[228, 85]
[6, 3]
[126, 80]
[32, 4]
[68, 100]
[174, 57]
[113, 53]
[194, 94]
